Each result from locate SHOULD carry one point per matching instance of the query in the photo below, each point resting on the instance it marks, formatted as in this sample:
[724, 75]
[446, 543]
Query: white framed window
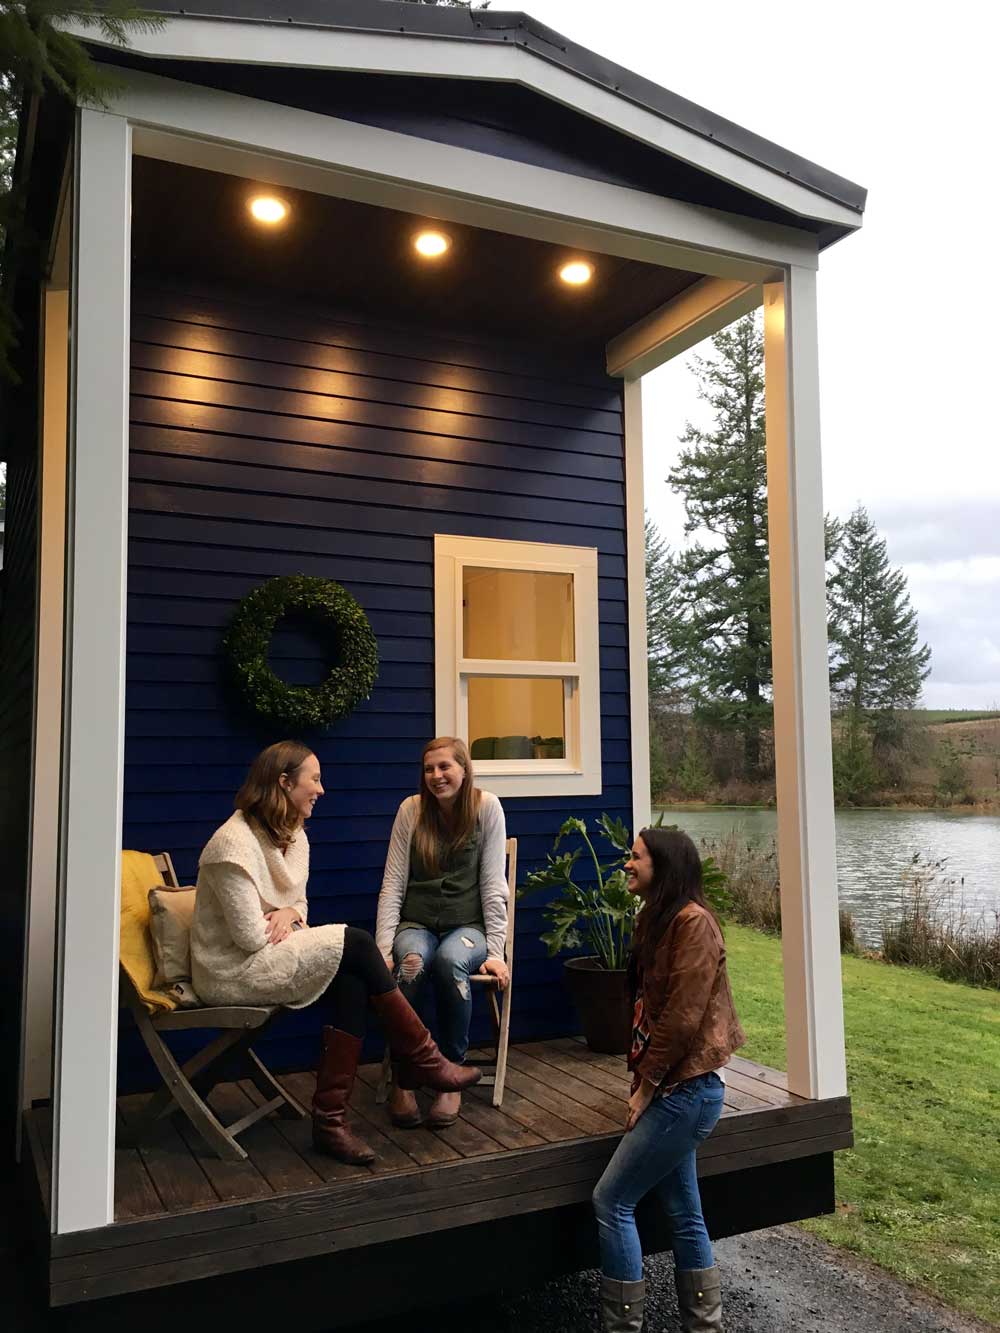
[517, 662]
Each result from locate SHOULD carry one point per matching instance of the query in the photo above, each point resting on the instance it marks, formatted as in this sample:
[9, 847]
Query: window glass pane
[517, 615]
[520, 718]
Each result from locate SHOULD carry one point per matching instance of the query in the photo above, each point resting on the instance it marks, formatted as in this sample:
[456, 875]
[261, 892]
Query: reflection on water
[873, 849]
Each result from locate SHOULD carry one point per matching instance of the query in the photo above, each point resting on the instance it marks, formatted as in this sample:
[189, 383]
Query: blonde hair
[262, 797]
[435, 839]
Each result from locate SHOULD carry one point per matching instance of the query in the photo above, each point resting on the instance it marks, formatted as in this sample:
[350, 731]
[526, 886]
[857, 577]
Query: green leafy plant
[600, 916]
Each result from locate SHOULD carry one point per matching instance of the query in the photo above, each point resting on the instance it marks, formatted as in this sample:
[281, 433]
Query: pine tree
[877, 664]
[722, 474]
[38, 58]
[668, 672]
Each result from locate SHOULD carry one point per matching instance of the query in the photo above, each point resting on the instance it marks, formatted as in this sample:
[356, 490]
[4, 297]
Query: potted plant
[599, 916]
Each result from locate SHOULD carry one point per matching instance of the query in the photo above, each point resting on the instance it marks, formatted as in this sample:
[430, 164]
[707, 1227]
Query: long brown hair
[676, 882]
[262, 797]
[435, 838]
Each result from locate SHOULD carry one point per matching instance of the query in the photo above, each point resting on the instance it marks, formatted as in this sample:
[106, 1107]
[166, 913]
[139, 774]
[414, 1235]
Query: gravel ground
[777, 1281]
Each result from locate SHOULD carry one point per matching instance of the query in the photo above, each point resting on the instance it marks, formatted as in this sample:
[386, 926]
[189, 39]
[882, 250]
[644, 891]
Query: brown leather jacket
[690, 1017]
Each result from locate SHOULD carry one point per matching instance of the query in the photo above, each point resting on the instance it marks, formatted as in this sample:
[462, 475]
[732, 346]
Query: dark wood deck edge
[770, 1130]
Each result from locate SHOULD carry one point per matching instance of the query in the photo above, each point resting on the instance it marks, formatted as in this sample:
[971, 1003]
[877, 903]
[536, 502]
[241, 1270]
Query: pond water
[874, 847]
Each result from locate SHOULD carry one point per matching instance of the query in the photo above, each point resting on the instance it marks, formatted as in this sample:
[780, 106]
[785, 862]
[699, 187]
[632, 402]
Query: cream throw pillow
[170, 915]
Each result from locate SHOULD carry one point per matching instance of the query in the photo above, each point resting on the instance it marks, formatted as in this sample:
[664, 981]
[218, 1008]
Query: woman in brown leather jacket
[684, 1029]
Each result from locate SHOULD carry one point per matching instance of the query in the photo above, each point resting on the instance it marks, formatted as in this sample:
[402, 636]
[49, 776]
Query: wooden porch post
[86, 1028]
[806, 837]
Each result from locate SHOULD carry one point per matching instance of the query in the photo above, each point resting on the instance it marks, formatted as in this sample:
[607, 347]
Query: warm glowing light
[431, 244]
[265, 208]
[577, 273]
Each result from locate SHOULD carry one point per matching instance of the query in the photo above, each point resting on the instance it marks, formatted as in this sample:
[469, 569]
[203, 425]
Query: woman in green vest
[442, 911]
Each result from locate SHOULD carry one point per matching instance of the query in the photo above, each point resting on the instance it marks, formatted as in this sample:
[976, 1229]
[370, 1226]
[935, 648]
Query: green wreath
[336, 613]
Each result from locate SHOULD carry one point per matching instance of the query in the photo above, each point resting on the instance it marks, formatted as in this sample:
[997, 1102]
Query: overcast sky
[902, 99]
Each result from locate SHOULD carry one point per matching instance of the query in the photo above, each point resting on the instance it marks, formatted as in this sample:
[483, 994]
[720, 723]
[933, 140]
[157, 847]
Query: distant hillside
[932, 717]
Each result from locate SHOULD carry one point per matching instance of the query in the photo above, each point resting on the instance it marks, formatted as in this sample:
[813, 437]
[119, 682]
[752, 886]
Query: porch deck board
[181, 1213]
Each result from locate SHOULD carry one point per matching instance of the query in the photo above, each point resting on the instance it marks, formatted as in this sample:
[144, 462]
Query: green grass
[920, 1192]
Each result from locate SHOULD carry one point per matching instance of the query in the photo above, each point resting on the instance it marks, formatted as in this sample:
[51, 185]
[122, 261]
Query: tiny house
[365, 291]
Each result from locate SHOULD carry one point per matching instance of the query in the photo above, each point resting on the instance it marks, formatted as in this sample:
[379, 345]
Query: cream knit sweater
[242, 875]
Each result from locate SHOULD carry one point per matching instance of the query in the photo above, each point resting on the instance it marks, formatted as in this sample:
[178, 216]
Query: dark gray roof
[487, 25]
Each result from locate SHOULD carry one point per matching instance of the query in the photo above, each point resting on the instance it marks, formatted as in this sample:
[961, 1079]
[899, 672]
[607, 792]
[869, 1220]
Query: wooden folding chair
[186, 1087]
[500, 1009]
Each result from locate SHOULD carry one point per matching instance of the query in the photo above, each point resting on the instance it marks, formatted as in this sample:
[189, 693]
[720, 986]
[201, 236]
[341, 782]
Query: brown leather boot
[417, 1062]
[338, 1064]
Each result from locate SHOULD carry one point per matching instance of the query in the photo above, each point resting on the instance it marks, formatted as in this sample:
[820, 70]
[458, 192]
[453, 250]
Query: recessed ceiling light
[431, 244]
[577, 272]
[266, 208]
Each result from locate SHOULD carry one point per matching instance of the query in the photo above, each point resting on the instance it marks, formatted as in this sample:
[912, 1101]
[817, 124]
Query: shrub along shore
[918, 1192]
[929, 931]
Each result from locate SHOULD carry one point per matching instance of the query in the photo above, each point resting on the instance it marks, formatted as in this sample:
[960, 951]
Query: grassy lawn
[920, 1192]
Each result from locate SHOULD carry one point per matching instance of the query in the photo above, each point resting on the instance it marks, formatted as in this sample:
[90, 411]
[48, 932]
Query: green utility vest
[450, 900]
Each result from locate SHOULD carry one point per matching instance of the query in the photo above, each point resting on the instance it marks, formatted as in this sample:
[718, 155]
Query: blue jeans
[449, 960]
[659, 1154]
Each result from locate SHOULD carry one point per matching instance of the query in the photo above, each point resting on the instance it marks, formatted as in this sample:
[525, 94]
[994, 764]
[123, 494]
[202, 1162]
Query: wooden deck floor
[181, 1213]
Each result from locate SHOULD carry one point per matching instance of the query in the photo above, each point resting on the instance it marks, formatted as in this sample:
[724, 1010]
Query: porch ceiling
[358, 256]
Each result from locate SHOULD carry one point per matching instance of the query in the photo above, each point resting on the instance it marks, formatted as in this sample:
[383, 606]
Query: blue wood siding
[267, 440]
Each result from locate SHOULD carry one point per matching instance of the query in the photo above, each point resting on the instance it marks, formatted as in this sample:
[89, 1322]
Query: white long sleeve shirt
[492, 873]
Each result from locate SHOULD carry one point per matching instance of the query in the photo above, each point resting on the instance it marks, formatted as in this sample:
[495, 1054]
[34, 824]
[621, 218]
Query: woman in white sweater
[251, 943]
[442, 911]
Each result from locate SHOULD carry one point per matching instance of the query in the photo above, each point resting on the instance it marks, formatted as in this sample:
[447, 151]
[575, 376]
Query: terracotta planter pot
[601, 999]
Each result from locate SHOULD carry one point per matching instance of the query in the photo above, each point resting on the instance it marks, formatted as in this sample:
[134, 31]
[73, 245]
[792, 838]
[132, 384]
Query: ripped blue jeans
[448, 960]
[659, 1154]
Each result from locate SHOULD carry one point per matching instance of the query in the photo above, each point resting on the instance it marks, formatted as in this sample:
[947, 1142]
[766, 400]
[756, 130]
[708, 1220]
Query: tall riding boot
[417, 1062]
[699, 1299]
[338, 1064]
[622, 1305]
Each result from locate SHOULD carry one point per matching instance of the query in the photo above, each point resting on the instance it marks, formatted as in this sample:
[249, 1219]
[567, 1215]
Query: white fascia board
[246, 43]
[698, 313]
[281, 145]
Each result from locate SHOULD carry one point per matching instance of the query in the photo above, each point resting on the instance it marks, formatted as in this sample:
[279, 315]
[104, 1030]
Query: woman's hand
[638, 1103]
[496, 967]
[279, 924]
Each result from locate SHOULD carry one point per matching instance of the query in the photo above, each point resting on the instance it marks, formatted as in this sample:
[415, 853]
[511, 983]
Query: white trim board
[638, 654]
[247, 43]
[241, 136]
[579, 774]
[702, 310]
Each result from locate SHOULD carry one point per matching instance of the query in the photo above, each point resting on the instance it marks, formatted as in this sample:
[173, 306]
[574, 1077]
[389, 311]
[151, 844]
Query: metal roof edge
[395, 17]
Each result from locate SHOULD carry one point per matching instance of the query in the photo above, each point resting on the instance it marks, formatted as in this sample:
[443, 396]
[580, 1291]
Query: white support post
[638, 668]
[36, 1043]
[93, 703]
[806, 837]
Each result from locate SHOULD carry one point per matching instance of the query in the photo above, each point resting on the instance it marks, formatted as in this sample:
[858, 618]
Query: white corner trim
[83, 1166]
[706, 307]
[222, 42]
[242, 136]
[638, 661]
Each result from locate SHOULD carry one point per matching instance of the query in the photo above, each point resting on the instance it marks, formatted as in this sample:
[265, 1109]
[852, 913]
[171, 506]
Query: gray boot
[621, 1305]
[699, 1300]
